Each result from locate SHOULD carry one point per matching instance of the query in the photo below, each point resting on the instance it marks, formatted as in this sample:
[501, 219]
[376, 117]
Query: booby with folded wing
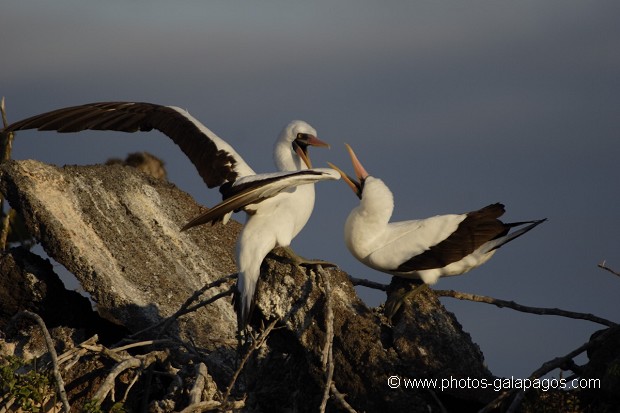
[425, 249]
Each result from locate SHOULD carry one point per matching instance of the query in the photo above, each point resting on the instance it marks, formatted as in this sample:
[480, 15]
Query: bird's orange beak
[360, 173]
[309, 140]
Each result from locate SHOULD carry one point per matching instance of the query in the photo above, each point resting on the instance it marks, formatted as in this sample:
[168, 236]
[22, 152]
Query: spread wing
[216, 161]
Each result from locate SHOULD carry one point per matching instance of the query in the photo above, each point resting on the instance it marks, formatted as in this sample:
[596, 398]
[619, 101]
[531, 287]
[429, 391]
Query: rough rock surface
[117, 231]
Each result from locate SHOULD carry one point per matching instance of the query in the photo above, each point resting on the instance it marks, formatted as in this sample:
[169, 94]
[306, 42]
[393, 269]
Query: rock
[117, 231]
[28, 282]
[601, 375]
[426, 343]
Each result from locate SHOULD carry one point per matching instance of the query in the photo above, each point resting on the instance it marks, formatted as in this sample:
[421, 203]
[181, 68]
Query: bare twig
[185, 308]
[6, 406]
[133, 381]
[341, 399]
[523, 308]
[60, 385]
[201, 376]
[6, 144]
[75, 353]
[606, 268]
[141, 344]
[210, 405]
[143, 362]
[108, 384]
[98, 348]
[255, 345]
[328, 355]
[548, 366]
[367, 283]
[208, 301]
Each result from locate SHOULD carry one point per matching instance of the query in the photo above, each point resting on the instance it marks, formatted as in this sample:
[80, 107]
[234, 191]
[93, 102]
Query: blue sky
[455, 105]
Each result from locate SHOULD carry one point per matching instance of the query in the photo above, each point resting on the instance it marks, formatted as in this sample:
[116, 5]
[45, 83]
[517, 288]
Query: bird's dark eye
[302, 140]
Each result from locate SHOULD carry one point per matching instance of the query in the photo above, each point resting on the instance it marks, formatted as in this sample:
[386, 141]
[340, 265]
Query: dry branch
[201, 376]
[606, 268]
[367, 283]
[75, 353]
[142, 343]
[143, 362]
[6, 144]
[546, 367]
[210, 405]
[341, 399]
[254, 345]
[523, 308]
[328, 355]
[50, 347]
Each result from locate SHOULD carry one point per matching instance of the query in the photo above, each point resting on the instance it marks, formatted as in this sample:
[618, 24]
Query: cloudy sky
[454, 105]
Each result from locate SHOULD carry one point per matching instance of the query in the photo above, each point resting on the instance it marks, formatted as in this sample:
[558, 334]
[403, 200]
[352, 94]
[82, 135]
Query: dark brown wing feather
[214, 166]
[256, 191]
[477, 228]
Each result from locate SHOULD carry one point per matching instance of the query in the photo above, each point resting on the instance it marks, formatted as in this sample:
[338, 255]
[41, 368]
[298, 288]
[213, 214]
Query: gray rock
[117, 231]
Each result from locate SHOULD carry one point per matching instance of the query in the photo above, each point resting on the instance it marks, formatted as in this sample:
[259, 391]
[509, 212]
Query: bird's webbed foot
[398, 297]
[288, 255]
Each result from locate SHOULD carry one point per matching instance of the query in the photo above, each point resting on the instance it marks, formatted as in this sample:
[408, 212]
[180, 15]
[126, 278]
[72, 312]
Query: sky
[455, 105]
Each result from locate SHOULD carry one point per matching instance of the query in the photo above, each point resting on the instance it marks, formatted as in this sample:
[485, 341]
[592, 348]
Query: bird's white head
[291, 148]
[367, 220]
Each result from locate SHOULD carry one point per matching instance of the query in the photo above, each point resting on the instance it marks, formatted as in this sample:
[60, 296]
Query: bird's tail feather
[244, 299]
[516, 234]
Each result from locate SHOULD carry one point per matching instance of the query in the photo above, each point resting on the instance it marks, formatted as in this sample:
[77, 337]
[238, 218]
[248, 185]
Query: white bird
[424, 249]
[278, 205]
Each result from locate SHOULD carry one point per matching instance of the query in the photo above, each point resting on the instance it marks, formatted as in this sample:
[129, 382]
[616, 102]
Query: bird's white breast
[285, 214]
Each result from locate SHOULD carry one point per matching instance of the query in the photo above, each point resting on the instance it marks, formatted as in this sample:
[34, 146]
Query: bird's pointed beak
[360, 172]
[355, 184]
[303, 155]
[314, 141]
[349, 180]
[301, 144]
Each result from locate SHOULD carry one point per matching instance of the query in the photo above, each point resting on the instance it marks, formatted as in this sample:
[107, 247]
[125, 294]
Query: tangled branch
[546, 367]
[141, 361]
[254, 345]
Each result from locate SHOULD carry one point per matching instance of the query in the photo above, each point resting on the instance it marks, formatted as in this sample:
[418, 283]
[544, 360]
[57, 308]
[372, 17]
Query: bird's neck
[375, 208]
[368, 221]
[377, 203]
[285, 158]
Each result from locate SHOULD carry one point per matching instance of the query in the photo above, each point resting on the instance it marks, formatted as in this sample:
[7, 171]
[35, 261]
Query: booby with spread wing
[278, 205]
[424, 249]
